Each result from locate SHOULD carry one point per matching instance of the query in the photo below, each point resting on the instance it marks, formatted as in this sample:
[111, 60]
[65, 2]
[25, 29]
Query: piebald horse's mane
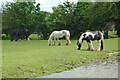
[90, 36]
[59, 34]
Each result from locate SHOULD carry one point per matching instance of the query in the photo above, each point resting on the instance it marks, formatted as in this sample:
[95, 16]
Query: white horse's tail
[67, 35]
[69, 38]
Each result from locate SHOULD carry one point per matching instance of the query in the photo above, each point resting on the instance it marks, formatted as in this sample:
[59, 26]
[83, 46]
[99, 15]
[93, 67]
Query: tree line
[75, 17]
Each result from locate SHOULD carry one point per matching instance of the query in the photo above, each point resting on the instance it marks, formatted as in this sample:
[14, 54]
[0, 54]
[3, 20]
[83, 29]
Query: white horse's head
[50, 41]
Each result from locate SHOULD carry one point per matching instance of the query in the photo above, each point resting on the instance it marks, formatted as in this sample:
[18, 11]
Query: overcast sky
[45, 5]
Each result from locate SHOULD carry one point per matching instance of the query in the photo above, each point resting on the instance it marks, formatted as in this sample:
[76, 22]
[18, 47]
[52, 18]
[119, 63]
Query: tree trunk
[106, 32]
[118, 26]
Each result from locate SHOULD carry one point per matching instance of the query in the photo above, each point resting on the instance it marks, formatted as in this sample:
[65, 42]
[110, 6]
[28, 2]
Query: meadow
[35, 58]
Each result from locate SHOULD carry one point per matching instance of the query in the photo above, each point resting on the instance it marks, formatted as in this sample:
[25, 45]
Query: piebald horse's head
[79, 45]
[79, 42]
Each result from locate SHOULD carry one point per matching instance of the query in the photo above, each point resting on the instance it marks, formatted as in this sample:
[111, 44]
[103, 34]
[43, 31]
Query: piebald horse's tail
[102, 43]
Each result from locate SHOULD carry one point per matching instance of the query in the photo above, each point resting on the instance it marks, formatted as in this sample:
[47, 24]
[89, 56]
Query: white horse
[90, 36]
[57, 35]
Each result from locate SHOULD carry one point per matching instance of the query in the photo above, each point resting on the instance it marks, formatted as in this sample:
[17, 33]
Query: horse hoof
[66, 44]
[88, 49]
[59, 44]
[98, 50]
[93, 49]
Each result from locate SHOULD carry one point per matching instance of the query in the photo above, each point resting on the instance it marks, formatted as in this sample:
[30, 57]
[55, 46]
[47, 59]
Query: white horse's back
[60, 34]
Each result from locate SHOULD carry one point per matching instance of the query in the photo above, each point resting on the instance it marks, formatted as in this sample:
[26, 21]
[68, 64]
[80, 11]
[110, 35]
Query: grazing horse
[90, 36]
[57, 35]
[20, 33]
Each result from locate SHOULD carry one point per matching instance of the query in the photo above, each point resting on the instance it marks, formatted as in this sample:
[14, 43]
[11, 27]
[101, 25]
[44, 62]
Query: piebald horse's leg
[92, 46]
[58, 42]
[12, 37]
[17, 37]
[27, 39]
[99, 41]
[54, 42]
[88, 46]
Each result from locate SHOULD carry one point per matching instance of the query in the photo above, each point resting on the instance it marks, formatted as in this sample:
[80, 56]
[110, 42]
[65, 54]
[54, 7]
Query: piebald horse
[57, 35]
[20, 33]
[90, 36]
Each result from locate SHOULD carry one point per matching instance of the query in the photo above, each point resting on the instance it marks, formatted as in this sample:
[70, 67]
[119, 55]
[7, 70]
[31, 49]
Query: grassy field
[35, 58]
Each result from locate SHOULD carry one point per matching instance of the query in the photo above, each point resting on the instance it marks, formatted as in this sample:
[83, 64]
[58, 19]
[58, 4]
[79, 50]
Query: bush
[35, 37]
[4, 37]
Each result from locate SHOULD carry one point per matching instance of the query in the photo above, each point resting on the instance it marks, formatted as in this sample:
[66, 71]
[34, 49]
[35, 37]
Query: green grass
[35, 58]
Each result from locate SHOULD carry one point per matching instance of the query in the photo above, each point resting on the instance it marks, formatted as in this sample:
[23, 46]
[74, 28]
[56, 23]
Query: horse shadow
[87, 50]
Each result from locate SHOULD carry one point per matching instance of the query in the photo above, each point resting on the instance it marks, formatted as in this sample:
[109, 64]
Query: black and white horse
[20, 33]
[90, 36]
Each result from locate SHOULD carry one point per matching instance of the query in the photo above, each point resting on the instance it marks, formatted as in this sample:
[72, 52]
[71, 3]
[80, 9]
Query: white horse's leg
[68, 41]
[92, 46]
[58, 42]
[54, 41]
[99, 45]
[88, 46]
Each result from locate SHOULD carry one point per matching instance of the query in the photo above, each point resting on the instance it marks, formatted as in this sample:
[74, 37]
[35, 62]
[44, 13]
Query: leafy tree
[100, 14]
[17, 15]
[22, 15]
[61, 18]
[75, 17]
[68, 16]
[80, 17]
[40, 23]
[116, 16]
